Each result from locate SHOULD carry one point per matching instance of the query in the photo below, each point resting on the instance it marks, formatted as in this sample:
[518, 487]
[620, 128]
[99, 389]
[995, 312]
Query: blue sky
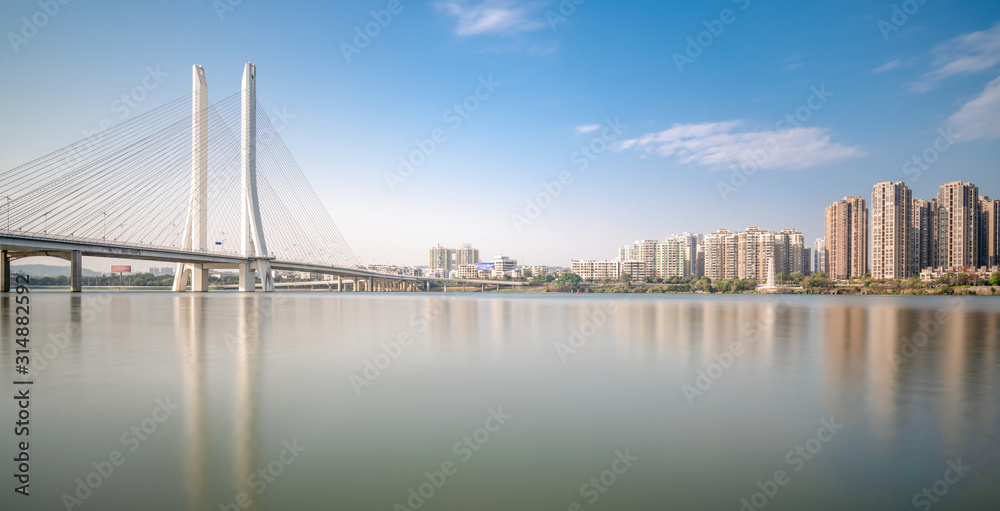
[888, 85]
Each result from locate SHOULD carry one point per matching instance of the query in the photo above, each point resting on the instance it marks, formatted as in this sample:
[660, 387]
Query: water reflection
[241, 341]
[914, 379]
[189, 318]
[247, 347]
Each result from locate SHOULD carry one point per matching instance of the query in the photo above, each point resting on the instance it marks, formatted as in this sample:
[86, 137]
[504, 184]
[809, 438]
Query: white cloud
[501, 17]
[892, 64]
[588, 128]
[980, 117]
[720, 145]
[967, 53]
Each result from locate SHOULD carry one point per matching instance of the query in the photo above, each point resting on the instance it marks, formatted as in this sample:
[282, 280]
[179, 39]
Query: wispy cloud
[588, 128]
[979, 119]
[498, 17]
[720, 145]
[967, 53]
[892, 64]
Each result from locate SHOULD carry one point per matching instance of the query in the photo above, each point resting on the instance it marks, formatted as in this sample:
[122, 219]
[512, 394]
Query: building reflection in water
[873, 352]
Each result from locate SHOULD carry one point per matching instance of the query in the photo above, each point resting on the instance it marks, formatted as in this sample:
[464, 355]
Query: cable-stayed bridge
[205, 186]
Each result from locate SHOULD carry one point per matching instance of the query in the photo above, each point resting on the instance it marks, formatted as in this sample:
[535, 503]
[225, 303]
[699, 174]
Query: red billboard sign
[121, 269]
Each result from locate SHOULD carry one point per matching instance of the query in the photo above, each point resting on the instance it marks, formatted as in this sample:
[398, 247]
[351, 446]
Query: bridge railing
[111, 243]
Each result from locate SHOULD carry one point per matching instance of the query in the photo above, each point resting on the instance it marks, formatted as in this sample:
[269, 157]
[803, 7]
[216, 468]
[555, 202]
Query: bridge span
[205, 186]
[14, 246]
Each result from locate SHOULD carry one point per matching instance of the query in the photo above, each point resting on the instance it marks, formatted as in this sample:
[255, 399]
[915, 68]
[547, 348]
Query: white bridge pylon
[253, 245]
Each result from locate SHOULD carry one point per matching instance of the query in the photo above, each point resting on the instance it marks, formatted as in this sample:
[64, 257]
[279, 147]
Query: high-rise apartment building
[847, 238]
[676, 256]
[690, 241]
[645, 251]
[447, 259]
[699, 271]
[957, 221]
[721, 254]
[922, 234]
[755, 254]
[670, 258]
[466, 255]
[892, 230]
[819, 256]
[989, 232]
[626, 253]
[440, 258]
[790, 252]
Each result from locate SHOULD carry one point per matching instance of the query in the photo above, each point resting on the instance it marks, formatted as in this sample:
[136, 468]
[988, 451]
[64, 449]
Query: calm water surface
[319, 401]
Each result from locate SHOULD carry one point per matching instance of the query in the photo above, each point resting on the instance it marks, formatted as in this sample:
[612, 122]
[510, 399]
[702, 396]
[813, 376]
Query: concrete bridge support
[196, 227]
[252, 236]
[4, 272]
[76, 272]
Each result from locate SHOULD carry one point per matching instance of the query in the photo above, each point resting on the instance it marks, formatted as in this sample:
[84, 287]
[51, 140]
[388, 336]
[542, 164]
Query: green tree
[571, 279]
[995, 279]
[818, 280]
[703, 284]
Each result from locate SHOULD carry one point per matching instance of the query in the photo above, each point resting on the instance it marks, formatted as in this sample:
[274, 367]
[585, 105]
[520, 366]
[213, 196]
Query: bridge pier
[4, 272]
[76, 272]
[199, 278]
[340, 284]
[248, 281]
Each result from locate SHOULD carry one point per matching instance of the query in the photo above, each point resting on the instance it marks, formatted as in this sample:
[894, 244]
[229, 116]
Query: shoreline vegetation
[817, 283]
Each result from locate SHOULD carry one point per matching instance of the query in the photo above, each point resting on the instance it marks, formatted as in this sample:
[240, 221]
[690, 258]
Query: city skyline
[859, 113]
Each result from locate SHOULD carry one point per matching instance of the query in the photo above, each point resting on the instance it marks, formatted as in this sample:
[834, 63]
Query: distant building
[439, 258]
[466, 271]
[922, 234]
[819, 256]
[691, 242]
[721, 249]
[670, 260]
[645, 251]
[847, 238]
[892, 231]
[597, 270]
[448, 259]
[958, 228]
[504, 266]
[790, 252]
[989, 232]
[466, 255]
[626, 253]
[755, 254]
[534, 271]
[634, 269]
